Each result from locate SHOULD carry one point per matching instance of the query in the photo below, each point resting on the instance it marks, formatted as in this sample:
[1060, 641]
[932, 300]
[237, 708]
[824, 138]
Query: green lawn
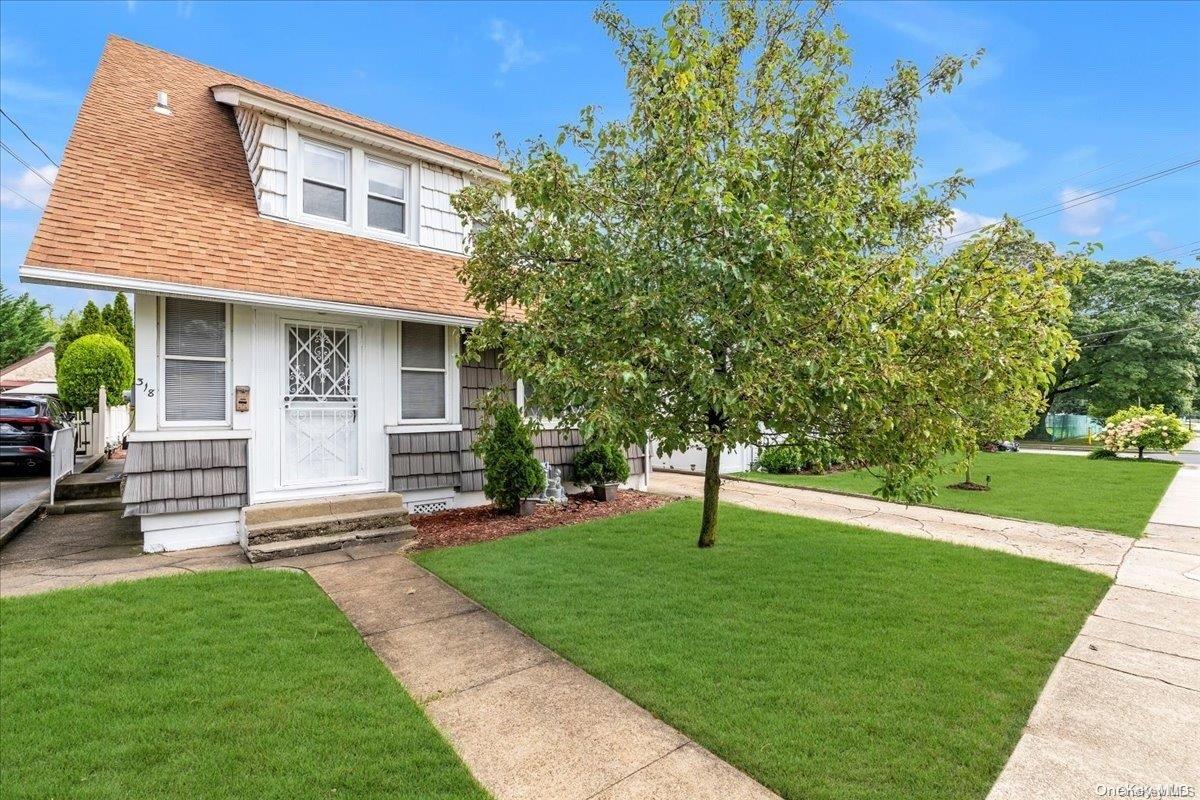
[1117, 496]
[247, 684]
[826, 661]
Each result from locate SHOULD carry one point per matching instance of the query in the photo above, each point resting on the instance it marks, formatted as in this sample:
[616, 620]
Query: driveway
[16, 488]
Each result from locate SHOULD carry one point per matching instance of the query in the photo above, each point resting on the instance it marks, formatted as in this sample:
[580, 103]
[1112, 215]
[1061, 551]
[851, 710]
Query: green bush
[505, 443]
[600, 462]
[91, 362]
[802, 455]
[1100, 453]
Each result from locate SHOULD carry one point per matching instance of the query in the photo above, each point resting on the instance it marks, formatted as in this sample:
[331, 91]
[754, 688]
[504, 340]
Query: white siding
[440, 225]
[265, 140]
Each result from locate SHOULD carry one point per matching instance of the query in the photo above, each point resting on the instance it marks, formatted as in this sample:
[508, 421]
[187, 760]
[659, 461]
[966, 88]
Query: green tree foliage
[1138, 326]
[90, 362]
[749, 247]
[89, 322]
[118, 316]
[600, 462]
[1144, 428]
[505, 443]
[23, 327]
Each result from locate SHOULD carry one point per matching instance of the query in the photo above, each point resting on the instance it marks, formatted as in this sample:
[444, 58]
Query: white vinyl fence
[62, 456]
[99, 430]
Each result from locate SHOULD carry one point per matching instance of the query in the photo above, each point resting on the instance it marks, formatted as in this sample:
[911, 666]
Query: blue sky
[1071, 96]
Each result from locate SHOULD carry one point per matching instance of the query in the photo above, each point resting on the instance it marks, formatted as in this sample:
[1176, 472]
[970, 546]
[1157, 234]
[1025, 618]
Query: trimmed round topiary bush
[90, 362]
[783, 460]
[510, 472]
[598, 463]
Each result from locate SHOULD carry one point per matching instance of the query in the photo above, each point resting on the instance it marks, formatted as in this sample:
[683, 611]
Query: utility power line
[27, 136]
[1176, 247]
[1091, 197]
[27, 165]
[23, 197]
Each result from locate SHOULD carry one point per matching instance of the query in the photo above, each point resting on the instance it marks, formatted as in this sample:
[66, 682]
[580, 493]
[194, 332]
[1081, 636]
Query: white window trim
[179, 424]
[451, 420]
[545, 423]
[368, 194]
[356, 190]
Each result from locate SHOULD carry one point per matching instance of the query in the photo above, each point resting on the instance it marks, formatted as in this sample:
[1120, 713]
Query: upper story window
[387, 195]
[195, 361]
[423, 360]
[326, 179]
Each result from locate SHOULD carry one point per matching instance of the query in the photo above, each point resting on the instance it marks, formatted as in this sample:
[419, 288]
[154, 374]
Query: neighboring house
[297, 310]
[35, 370]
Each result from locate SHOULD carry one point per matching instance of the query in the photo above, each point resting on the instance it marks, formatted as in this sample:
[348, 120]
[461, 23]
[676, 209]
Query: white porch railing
[62, 456]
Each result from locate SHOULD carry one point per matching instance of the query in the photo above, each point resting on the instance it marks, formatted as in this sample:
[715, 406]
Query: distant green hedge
[90, 362]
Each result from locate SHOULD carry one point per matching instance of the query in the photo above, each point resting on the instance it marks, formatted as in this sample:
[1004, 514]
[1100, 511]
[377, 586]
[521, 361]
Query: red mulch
[484, 523]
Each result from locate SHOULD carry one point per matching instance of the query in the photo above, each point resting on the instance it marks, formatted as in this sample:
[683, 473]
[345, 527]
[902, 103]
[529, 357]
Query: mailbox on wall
[241, 398]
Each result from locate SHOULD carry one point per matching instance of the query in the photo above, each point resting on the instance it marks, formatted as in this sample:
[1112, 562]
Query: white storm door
[320, 405]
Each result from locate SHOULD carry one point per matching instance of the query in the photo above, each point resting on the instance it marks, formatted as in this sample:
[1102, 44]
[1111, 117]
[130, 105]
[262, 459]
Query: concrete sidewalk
[529, 725]
[1122, 707]
[1090, 550]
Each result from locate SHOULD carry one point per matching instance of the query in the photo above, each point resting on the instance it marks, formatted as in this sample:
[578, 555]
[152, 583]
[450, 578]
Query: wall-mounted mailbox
[241, 398]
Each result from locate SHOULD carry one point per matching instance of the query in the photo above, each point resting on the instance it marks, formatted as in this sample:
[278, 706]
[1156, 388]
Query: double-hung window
[422, 372]
[326, 179]
[195, 361]
[387, 200]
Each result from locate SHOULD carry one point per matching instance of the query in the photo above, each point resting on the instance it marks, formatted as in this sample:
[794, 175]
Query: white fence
[99, 430]
[62, 456]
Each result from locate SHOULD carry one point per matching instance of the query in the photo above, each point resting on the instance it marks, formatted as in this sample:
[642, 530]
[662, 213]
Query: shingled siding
[445, 460]
[184, 475]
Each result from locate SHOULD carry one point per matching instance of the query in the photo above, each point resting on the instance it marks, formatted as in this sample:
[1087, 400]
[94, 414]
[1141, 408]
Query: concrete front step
[85, 505]
[328, 524]
[347, 504]
[87, 485]
[287, 548]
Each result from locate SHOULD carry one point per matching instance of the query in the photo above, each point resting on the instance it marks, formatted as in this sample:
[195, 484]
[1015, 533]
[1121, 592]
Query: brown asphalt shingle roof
[169, 198]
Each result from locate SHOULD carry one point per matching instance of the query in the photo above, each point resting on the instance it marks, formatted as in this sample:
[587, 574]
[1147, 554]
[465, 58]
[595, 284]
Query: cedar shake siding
[446, 460]
[192, 475]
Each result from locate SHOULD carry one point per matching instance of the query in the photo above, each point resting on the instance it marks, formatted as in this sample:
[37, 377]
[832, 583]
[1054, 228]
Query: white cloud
[183, 8]
[17, 52]
[131, 6]
[973, 148]
[514, 51]
[30, 185]
[1160, 240]
[1086, 218]
[967, 222]
[33, 93]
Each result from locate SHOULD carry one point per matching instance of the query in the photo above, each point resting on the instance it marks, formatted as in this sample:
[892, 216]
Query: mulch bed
[484, 523]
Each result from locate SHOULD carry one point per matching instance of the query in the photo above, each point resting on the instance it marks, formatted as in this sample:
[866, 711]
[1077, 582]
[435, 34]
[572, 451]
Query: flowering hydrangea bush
[1144, 427]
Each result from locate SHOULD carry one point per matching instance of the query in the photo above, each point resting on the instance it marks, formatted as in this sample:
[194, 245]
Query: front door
[320, 405]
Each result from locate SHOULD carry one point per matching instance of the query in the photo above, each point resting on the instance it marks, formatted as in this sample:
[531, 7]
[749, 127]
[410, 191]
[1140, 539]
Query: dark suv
[27, 422]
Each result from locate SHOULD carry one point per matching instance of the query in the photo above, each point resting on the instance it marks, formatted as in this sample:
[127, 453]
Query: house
[297, 311]
[33, 374]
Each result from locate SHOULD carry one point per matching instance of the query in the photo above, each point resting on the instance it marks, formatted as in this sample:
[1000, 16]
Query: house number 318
[147, 388]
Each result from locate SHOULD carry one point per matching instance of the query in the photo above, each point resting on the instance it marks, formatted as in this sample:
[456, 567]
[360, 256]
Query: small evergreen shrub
[505, 443]
[1100, 453]
[600, 462]
[783, 460]
[801, 455]
[91, 362]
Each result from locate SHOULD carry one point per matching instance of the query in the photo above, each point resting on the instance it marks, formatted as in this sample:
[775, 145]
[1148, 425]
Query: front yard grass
[225, 684]
[1107, 495]
[826, 661]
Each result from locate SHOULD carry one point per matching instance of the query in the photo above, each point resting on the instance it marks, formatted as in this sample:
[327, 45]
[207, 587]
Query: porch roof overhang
[53, 276]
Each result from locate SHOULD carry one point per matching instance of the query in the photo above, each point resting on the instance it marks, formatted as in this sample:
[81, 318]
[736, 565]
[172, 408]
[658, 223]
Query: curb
[20, 516]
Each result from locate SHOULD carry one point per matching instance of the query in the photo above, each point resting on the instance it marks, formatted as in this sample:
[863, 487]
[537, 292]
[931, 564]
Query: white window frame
[348, 188]
[357, 188]
[368, 194]
[543, 422]
[449, 385]
[163, 422]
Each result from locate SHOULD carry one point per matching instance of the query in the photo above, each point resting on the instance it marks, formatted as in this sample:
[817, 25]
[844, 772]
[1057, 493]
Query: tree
[118, 316]
[23, 326]
[749, 248]
[89, 322]
[92, 361]
[1138, 325]
[505, 443]
[1145, 427]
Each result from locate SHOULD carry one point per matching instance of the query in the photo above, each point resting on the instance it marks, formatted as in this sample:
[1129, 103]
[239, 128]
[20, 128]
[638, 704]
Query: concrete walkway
[1090, 550]
[1122, 707]
[528, 724]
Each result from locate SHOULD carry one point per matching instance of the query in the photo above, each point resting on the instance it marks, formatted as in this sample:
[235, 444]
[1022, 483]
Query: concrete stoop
[282, 530]
[87, 492]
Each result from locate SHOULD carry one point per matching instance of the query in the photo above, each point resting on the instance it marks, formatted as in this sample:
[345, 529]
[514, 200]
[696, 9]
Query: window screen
[194, 365]
[325, 180]
[422, 371]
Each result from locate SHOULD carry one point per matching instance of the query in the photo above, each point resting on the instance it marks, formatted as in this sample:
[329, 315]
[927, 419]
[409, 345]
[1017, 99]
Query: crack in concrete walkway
[1078, 547]
[1122, 706]
[528, 724]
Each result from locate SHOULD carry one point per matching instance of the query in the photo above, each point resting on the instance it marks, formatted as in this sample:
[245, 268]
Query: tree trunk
[1141, 450]
[712, 490]
[968, 472]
